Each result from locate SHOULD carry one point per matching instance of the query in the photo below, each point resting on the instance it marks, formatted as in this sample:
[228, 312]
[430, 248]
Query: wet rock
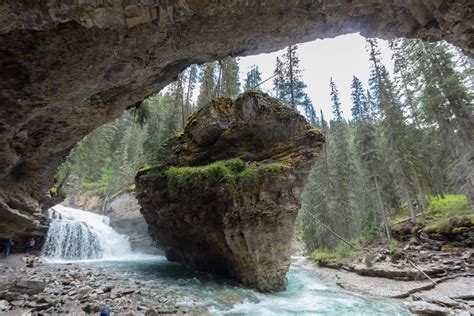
[4, 305]
[440, 300]
[37, 306]
[28, 287]
[226, 200]
[424, 308]
[397, 273]
[17, 303]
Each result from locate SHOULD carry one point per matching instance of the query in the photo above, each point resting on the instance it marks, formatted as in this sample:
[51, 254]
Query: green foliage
[326, 257]
[450, 225]
[208, 84]
[410, 134]
[229, 86]
[393, 246]
[102, 185]
[254, 76]
[288, 85]
[449, 205]
[334, 257]
[369, 260]
[233, 172]
[438, 208]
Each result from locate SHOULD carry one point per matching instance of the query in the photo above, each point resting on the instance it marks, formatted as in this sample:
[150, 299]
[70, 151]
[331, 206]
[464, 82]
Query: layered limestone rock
[68, 67]
[225, 197]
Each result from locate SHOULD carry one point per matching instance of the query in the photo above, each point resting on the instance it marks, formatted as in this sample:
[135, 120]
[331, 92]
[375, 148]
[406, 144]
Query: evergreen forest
[407, 146]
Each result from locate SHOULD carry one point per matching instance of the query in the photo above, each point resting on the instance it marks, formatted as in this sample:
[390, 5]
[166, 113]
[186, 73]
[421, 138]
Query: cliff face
[68, 67]
[226, 197]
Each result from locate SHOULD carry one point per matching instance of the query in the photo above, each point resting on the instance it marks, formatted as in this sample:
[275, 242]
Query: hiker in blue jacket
[8, 247]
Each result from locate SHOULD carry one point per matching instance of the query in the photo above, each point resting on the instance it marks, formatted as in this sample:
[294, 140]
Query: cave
[67, 68]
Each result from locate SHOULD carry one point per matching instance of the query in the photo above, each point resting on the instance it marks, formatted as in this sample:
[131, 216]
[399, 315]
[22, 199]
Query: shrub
[450, 205]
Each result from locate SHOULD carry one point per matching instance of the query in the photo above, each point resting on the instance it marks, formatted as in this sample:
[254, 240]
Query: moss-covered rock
[225, 197]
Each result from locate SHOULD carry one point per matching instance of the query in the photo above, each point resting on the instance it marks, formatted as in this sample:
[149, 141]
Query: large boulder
[225, 197]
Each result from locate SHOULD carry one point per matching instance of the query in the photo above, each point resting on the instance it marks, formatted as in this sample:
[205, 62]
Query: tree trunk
[382, 210]
[292, 87]
[421, 193]
[410, 206]
[188, 94]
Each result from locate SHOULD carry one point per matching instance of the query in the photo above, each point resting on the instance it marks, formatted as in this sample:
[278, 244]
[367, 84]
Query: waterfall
[79, 235]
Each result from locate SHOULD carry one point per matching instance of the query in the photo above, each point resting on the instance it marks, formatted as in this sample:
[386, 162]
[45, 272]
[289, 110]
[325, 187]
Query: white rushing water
[76, 235]
[305, 294]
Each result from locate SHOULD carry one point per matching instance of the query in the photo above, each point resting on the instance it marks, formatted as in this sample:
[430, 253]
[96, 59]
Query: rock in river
[224, 194]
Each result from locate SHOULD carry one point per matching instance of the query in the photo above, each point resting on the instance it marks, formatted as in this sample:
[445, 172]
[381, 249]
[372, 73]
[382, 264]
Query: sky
[340, 58]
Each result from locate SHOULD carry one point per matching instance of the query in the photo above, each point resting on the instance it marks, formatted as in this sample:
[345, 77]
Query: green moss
[223, 105]
[461, 230]
[233, 171]
[54, 189]
[326, 257]
[453, 246]
[335, 256]
[448, 225]
[150, 169]
[179, 135]
[192, 119]
[273, 170]
[291, 160]
[223, 171]
[314, 131]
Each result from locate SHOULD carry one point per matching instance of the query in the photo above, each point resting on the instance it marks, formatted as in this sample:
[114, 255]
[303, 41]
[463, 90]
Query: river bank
[449, 291]
[79, 289]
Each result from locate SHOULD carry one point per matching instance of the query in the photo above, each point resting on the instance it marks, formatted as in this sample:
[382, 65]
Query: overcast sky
[340, 58]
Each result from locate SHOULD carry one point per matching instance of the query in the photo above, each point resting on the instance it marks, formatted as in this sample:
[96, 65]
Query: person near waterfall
[31, 244]
[9, 247]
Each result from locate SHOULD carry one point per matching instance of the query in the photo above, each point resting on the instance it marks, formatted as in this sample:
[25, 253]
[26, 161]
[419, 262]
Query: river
[305, 295]
[73, 231]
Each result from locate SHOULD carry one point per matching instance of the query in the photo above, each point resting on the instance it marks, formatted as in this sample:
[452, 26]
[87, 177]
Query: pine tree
[229, 85]
[365, 145]
[279, 83]
[177, 92]
[336, 103]
[309, 111]
[400, 150]
[288, 85]
[442, 102]
[208, 84]
[253, 78]
[343, 171]
[192, 78]
[293, 73]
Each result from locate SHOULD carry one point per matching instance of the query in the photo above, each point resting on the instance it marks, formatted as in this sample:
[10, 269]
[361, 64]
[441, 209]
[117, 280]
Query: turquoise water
[305, 295]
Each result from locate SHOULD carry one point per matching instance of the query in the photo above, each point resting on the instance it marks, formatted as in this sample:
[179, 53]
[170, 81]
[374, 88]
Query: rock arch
[69, 67]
